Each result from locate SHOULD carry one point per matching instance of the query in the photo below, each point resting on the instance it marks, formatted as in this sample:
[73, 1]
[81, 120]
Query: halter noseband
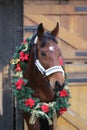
[44, 71]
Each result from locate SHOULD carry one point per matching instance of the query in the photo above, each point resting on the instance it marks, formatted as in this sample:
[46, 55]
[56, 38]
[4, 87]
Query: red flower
[23, 56]
[63, 93]
[45, 108]
[18, 67]
[62, 110]
[30, 102]
[19, 84]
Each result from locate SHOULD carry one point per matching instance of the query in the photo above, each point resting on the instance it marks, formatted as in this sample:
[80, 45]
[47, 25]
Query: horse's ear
[40, 31]
[55, 30]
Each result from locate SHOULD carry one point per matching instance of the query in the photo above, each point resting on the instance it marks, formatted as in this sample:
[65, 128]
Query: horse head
[44, 71]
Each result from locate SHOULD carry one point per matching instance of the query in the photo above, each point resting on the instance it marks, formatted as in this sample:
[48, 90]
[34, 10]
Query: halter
[44, 71]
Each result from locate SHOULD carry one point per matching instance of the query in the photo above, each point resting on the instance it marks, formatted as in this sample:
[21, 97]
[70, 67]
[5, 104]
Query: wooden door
[10, 20]
[72, 16]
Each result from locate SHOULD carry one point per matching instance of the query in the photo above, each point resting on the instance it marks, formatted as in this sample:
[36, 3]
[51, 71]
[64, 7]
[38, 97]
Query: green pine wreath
[24, 93]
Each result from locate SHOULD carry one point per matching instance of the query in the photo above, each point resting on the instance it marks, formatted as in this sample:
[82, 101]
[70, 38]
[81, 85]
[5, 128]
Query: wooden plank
[72, 39]
[56, 9]
[64, 34]
[79, 99]
[63, 124]
[77, 84]
[25, 126]
[74, 68]
[7, 115]
[78, 2]
[82, 102]
[75, 120]
[41, 2]
[77, 25]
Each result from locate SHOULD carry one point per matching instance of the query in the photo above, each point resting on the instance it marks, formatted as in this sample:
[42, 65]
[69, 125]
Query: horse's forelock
[47, 36]
[50, 37]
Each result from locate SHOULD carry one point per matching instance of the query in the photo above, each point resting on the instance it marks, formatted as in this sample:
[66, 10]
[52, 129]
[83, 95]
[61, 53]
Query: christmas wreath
[24, 93]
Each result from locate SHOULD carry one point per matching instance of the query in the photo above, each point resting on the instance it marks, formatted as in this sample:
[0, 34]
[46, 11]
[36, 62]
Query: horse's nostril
[57, 83]
[57, 86]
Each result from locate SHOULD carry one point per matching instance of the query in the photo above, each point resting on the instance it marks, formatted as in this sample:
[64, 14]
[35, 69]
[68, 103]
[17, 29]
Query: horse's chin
[45, 97]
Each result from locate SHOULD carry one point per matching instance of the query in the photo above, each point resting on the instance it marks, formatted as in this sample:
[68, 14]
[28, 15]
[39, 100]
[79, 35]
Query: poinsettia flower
[23, 56]
[63, 93]
[19, 84]
[45, 108]
[18, 67]
[30, 102]
[62, 110]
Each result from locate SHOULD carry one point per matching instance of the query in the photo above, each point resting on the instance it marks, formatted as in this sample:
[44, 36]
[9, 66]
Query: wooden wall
[72, 16]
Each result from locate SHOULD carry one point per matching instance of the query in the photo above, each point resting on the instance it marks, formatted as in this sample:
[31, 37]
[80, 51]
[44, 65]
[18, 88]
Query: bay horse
[45, 75]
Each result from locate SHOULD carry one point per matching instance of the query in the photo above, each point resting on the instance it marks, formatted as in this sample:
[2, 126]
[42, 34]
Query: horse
[44, 72]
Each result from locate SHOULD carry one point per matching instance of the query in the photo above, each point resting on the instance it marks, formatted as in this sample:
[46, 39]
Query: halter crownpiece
[44, 71]
[35, 40]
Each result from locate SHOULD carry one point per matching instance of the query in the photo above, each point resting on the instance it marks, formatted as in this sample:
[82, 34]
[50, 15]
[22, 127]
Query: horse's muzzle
[58, 86]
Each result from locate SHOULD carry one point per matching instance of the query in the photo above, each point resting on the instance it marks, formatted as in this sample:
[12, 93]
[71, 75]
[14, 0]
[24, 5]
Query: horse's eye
[43, 53]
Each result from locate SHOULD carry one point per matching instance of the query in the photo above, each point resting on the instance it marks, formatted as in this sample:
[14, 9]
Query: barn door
[10, 36]
[72, 16]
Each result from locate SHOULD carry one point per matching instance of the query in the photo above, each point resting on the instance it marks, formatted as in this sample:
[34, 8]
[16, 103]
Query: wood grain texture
[56, 9]
[64, 34]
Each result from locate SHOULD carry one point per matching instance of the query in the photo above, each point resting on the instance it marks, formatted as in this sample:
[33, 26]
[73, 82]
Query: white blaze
[51, 48]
